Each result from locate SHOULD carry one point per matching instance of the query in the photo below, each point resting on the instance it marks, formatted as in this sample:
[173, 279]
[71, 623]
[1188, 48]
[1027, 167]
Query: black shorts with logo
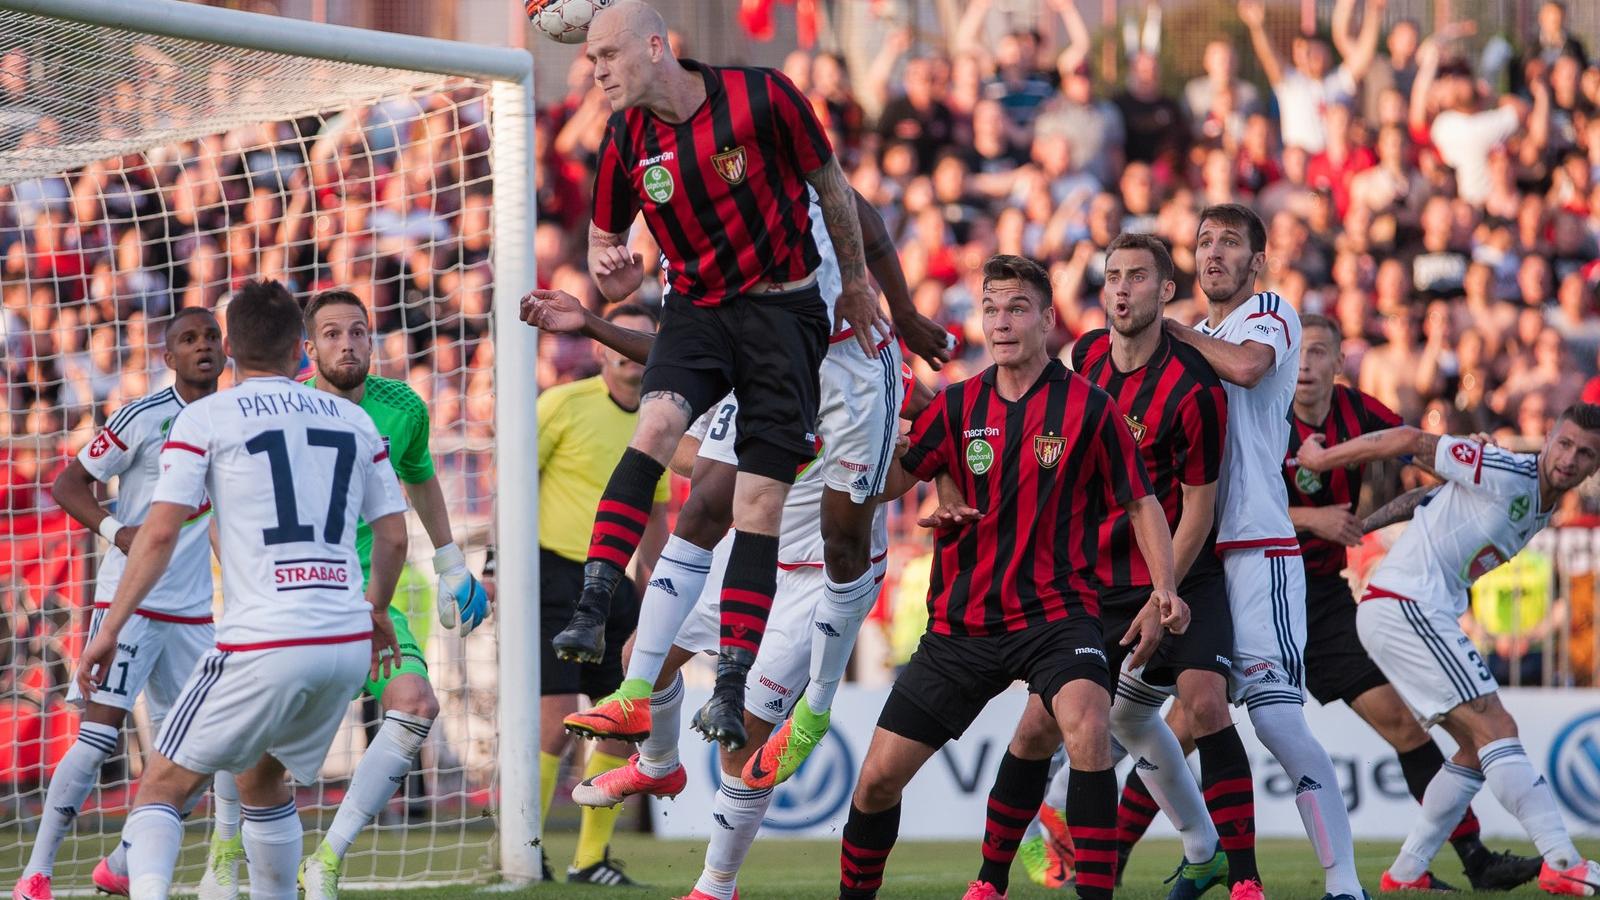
[1337, 666]
[767, 349]
[1207, 643]
[950, 679]
[560, 583]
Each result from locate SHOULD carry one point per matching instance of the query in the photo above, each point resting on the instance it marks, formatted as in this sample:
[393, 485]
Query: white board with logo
[1560, 728]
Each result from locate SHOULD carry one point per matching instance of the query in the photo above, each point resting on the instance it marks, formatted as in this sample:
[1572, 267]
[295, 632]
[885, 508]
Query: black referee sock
[624, 511]
[1014, 800]
[1419, 765]
[1092, 823]
[864, 851]
[747, 590]
[1231, 800]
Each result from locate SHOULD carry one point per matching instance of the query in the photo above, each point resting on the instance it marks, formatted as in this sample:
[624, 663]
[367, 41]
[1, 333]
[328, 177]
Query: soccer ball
[566, 21]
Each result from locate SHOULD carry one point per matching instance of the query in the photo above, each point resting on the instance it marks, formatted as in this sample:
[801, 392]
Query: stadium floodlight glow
[175, 149]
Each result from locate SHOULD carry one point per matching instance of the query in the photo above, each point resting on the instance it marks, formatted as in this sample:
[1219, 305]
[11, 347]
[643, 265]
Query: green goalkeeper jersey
[402, 420]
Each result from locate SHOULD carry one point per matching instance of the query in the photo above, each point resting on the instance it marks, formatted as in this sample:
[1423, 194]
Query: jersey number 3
[290, 529]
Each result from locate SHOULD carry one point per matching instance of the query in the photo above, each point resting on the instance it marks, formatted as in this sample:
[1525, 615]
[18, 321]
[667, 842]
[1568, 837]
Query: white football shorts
[1423, 652]
[858, 419]
[1267, 596]
[284, 701]
[155, 656]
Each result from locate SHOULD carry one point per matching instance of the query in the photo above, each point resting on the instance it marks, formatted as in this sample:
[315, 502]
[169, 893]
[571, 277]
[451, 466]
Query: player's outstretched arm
[1399, 509]
[925, 337]
[147, 560]
[1389, 443]
[461, 596]
[1243, 364]
[562, 313]
[74, 491]
[857, 303]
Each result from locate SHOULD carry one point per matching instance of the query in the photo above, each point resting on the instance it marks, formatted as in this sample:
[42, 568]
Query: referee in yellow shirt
[583, 429]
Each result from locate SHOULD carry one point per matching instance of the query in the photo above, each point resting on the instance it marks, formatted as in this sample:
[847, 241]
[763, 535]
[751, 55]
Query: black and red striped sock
[747, 590]
[1419, 765]
[1092, 822]
[1135, 811]
[624, 509]
[1013, 801]
[1231, 799]
[864, 851]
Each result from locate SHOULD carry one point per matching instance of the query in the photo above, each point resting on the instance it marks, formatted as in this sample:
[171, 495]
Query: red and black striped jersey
[1042, 469]
[1177, 410]
[724, 193]
[1350, 415]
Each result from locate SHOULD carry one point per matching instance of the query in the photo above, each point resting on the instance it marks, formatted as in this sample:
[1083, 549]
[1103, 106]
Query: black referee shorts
[1337, 666]
[767, 349]
[1207, 644]
[950, 679]
[560, 583]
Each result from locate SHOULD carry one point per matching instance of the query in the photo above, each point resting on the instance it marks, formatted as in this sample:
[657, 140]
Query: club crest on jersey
[980, 456]
[101, 445]
[1464, 453]
[1137, 427]
[1307, 481]
[1048, 449]
[730, 165]
[658, 184]
[1518, 508]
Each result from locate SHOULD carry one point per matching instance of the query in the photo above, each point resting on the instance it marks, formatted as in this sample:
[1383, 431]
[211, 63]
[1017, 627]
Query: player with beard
[172, 629]
[1252, 341]
[339, 343]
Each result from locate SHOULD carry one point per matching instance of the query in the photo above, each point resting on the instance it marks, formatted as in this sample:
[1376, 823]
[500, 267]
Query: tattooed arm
[857, 304]
[1397, 510]
[1389, 443]
[617, 271]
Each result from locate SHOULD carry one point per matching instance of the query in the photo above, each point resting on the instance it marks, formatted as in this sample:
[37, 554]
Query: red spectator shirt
[724, 193]
[1351, 415]
[1043, 471]
[1177, 410]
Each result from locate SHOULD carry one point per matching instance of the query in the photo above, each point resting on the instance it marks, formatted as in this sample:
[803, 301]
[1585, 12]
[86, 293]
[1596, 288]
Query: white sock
[675, 585]
[154, 835]
[381, 772]
[1283, 731]
[1055, 794]
[658, 753]
[225, 798]
[1524, 794]
[1136, 720]
[272, 848]
[75, 776]
[836, 623]
[1445, 801]
[736, 817]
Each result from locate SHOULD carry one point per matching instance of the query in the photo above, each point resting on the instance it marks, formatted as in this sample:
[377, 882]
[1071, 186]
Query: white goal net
[142, 172]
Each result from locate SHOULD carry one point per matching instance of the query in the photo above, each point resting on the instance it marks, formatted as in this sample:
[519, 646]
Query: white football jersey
[129, 449]
[290, 469]
[1252, 502]
[1487, 510]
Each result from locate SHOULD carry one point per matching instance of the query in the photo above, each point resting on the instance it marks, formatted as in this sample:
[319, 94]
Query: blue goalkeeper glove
[460, 595]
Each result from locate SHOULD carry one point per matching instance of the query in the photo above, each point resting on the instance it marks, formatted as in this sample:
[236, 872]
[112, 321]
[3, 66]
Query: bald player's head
[630, 48]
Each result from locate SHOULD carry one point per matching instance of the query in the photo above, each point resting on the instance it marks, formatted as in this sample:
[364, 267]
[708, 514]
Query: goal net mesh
[141, 174]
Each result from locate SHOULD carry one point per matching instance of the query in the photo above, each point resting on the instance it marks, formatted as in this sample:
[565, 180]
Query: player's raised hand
[617, 271]
[1313, 453]
[460, 595]
[952, 511]
[95, 663]
[554, 311]
[926, 338]
[858, 307]
[1143, 635]
[385, 646]
[1172, 611]
[1334, 523]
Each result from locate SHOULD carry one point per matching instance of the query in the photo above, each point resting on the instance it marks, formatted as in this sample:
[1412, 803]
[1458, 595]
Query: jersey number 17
[290, 529]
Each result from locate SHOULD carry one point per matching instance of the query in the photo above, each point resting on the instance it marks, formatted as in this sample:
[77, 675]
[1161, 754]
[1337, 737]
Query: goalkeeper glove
[460, 594]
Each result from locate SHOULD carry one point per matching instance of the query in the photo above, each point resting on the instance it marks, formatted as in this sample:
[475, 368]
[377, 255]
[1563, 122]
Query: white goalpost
[154, 154]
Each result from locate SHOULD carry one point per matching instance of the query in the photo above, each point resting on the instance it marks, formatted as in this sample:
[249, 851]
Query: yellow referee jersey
[582, 433]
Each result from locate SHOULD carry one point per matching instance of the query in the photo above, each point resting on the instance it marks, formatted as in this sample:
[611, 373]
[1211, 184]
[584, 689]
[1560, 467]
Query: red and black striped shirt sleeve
[1118, 458]
[1204, 420]
[931, 441]
[616, 203]
[804, 141]
[1374, 415]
